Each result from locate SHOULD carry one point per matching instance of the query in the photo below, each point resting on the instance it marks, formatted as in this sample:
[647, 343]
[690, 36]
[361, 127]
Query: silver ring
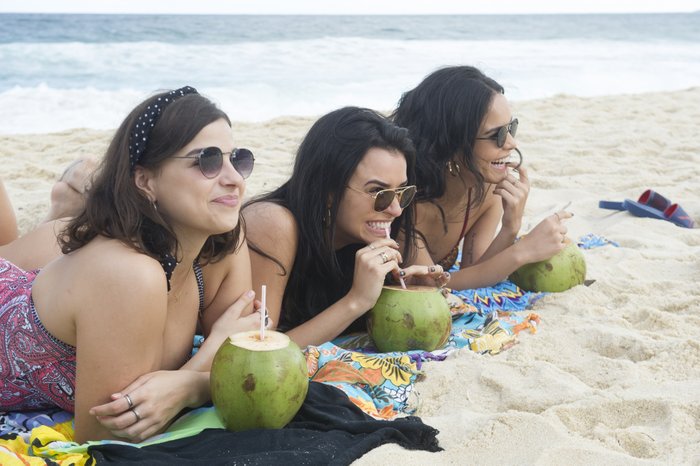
[133, 410]
[371, 247]
[384, 257]
[128, 400]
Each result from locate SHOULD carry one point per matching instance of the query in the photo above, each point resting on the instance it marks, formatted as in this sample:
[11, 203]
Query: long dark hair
[116, 208]
[443, 115]
[326, 160]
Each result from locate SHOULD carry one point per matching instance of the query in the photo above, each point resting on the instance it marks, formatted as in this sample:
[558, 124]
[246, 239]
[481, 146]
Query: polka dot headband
[138, 139]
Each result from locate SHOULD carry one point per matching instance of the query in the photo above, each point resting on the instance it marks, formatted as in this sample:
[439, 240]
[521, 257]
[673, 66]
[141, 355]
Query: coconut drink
[258, 382]
[564, 270]
[415, 318]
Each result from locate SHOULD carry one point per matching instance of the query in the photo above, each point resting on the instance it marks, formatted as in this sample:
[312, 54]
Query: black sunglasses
[502, 133]
[211, 160]
[384, 198]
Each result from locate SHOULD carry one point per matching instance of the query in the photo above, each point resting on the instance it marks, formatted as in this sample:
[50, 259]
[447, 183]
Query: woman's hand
[513, 194]
[148, 405]
[428, 275]
[372, 263]
[547, 238]
[231, 322]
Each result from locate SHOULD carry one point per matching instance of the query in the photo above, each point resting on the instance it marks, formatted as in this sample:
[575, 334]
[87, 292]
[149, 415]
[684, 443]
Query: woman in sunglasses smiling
[464, 134]
[320, 242]
[120, 307]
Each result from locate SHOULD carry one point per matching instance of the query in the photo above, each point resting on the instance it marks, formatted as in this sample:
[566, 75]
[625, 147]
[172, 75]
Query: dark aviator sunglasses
[384, 198]
[211, 160]
[501, 135]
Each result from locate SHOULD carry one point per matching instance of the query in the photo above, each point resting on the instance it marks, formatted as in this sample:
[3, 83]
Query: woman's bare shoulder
[268, 220]
[110, 262]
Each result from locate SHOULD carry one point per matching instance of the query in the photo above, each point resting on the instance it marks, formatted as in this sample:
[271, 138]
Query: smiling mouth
[230, 201]
[379, 226]
[501, 163]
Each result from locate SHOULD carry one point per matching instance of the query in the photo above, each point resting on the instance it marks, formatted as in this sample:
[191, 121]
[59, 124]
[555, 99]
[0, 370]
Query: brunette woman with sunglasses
[464, 134]
[121, 306]
[319, 242]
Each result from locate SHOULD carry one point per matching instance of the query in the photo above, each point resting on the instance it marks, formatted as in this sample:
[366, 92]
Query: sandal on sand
[652, 205]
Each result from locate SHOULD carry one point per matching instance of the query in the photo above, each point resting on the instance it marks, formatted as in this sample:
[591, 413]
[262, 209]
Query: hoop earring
[453, 168]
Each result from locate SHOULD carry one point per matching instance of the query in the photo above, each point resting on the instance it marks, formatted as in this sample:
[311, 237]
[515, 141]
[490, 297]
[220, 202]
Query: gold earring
[454, 171]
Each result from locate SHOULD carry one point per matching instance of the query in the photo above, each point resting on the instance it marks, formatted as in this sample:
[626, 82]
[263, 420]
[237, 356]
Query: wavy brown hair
[116, 208]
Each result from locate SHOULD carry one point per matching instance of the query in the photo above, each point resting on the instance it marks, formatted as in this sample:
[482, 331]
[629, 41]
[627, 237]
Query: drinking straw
[263, 313]
[388, 236]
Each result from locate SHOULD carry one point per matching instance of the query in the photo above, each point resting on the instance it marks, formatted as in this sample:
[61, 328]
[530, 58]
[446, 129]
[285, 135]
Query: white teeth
[380, 225]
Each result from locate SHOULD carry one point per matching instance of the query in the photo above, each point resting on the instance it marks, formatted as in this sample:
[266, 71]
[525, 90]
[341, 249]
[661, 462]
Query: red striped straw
[388, 236]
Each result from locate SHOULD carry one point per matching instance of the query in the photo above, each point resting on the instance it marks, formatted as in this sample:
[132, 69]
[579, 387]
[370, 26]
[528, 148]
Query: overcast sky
[347, 6]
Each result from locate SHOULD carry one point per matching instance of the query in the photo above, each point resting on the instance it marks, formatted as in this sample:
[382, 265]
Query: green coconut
[258, 383]
[417, 318]
[564, 270]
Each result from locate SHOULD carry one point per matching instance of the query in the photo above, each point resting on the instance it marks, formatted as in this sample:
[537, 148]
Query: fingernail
[250, 294]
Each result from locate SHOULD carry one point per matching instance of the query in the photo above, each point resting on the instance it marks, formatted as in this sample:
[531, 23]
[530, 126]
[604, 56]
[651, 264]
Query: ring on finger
[384, 257]
[128, 400]
[371, 246]
[556, 214]
[136, 413]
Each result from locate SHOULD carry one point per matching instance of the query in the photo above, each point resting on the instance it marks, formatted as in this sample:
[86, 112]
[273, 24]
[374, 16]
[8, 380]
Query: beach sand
[613, 374]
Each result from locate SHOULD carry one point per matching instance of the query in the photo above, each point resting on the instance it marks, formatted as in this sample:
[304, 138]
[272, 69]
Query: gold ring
[128, 400]
[133, 410]
[384, 257]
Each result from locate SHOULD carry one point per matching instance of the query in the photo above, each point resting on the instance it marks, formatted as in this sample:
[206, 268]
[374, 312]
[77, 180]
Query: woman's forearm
[328, 324]
[490, 271]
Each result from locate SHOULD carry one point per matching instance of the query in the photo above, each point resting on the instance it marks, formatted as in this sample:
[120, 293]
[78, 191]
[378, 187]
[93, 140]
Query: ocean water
[67, 71]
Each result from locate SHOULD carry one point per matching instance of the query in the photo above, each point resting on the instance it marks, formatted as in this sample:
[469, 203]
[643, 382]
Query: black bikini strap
[200, 285]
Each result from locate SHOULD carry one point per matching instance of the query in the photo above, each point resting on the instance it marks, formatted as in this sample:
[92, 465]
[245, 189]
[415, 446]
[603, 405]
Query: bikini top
[449, 260]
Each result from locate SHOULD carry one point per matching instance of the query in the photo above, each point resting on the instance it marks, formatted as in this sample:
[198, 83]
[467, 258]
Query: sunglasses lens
[243, 161]
[407, 196]
[210, 161]
[383, 200]
[511, 128]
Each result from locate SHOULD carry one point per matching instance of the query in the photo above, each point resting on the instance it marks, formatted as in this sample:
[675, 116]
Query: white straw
[388, 236]
[263, 313]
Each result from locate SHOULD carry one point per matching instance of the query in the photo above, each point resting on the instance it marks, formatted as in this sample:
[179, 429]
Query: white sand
[613, 375]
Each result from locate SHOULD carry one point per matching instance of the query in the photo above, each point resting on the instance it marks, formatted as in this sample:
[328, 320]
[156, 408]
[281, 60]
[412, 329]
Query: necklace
[176, 295]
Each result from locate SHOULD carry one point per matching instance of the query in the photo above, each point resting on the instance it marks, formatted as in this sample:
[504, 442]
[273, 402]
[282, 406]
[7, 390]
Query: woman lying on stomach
[323, 242]
[464, 133]
[125, 298]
